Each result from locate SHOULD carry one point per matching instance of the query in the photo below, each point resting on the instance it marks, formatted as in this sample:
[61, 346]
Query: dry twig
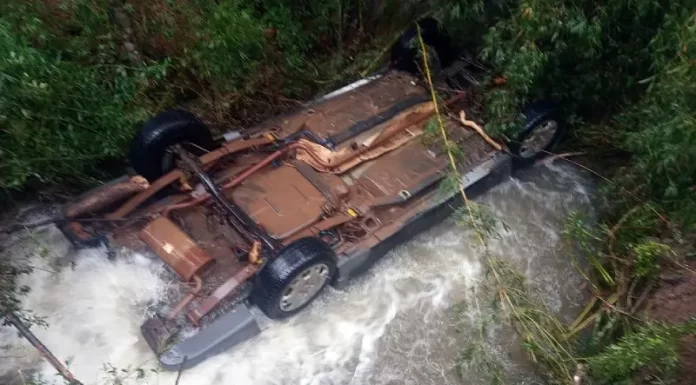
[479, 130]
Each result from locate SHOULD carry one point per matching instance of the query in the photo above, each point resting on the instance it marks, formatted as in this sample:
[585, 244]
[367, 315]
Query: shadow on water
[400, 323]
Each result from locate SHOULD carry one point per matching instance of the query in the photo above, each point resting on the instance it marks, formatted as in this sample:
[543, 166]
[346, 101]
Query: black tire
[537, 116]
[274, 279]
[405, 52]
[149, 148]
[84, 239]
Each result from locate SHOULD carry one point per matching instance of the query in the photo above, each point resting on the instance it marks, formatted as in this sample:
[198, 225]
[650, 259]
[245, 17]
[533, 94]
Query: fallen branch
[563, 156]
[106, 195]
[614, 308]
[477, 128]
[12, 319]
[58, 221]
[643, 296]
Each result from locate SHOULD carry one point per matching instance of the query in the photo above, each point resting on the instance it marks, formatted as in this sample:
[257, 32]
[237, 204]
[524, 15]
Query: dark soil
[675, 302]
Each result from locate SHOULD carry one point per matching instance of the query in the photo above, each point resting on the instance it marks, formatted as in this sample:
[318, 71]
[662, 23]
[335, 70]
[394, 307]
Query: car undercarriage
[268, 217]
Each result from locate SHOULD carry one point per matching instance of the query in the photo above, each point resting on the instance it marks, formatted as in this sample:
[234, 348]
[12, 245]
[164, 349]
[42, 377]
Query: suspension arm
[237, 218]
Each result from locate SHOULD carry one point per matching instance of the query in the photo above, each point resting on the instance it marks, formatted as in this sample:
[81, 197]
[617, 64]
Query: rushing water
[404, 322]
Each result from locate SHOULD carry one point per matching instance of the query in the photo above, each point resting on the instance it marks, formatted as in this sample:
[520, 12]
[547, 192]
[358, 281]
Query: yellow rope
[504, 297]
[443, 132]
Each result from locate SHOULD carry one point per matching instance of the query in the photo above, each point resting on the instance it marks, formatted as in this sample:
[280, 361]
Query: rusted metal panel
[175, 248]
[336, 115]
[399, 170]
[333, 187]
[281, 200]
[314, 229]
[228, 287]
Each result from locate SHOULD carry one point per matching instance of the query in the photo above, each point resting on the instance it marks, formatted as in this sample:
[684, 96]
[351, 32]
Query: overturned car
[270, 216]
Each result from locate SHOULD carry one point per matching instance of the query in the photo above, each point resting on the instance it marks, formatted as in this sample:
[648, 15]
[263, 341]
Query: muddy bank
[674, 301]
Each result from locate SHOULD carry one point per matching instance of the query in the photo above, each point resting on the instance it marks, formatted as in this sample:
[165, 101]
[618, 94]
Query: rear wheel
[297, 275]
[542, 132]
[150, 153]
[406, 52]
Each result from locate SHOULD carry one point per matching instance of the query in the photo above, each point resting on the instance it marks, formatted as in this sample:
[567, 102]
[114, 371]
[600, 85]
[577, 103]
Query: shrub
[653, 348]
[622, 68]
[660, 130]
[59, 118]
[648, 257]
[71, 92]
[229, 47]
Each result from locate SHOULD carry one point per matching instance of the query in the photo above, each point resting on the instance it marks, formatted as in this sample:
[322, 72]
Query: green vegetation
[78, 75]
[652, 348]
[623, 71]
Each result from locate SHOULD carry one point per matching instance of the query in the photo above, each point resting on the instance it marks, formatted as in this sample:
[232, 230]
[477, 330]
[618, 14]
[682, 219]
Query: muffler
[189, 261]
[181, 253]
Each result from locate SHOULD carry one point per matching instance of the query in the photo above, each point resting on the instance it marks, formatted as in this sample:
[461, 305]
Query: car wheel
[297, 275]
[405, 53]
[82, 238]
[150, 153]
[542, 131]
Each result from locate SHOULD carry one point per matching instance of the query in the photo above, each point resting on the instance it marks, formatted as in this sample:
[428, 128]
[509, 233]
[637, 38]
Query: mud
[675, 302]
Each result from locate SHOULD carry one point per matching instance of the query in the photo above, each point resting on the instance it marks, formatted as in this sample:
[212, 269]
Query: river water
[406, 321]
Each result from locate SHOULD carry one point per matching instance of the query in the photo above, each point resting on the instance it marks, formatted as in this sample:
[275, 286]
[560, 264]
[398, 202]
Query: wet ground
[404, 322]
[674, 301]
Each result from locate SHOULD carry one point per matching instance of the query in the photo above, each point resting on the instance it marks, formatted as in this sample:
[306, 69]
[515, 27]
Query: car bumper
[178, 353]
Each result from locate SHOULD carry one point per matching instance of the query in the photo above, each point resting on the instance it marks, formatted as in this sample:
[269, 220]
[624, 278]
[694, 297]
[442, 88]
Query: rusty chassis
[351, 169]
[240, 324]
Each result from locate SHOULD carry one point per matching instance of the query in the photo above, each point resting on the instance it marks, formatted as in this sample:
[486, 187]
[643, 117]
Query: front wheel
[297, 275]
[406, 52]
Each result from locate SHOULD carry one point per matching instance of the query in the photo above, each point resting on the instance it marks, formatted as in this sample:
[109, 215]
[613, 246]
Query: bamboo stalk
[536, 326]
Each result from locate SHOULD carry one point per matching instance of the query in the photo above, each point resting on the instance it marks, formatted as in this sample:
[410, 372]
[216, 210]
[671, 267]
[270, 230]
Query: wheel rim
[539, 139]
[304, 287]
